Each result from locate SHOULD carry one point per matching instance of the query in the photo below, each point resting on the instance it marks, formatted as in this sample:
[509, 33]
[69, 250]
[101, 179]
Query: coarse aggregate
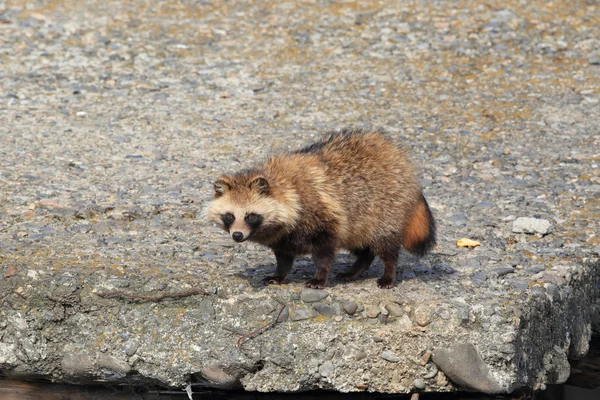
[115, 117]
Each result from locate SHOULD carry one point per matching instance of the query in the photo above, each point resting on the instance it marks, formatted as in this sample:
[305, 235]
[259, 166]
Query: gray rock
[389, 356]
[465, 367]
[532, 225]
[503, 271]
[394, 309]
[131, 346]
[77, 365]
[300, 314]
[207, 310]
[113, 364]
[309, 295]
[324, 309]
[327, 369]
[557, 365]
[350, 307]
[419, 384]
[72, 199]
[285, 314]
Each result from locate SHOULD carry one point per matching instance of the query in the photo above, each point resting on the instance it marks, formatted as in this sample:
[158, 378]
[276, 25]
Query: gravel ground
[116, 116]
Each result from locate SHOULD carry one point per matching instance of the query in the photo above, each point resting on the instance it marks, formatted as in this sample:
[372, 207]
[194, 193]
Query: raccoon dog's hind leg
[389, 256]
[365, 257]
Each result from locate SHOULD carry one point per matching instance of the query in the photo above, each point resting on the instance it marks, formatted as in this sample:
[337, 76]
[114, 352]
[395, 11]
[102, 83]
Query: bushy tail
[419, 233]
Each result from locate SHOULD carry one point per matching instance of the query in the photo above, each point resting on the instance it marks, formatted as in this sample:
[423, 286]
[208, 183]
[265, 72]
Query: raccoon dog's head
[249, 207]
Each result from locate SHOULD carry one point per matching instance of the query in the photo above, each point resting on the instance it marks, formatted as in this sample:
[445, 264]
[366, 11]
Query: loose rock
[310, 295]
[532, 225]
[389, 356]
[350, 307]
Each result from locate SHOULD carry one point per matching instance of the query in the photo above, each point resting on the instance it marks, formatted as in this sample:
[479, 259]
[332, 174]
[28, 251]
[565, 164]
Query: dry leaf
[464, 242]
[10, 271]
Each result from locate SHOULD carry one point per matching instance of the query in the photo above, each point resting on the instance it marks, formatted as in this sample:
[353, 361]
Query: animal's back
[372, 180]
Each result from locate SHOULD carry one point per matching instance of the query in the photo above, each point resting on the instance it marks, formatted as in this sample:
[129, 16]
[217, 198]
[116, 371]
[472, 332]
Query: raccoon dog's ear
[261, 185]
[221, 185]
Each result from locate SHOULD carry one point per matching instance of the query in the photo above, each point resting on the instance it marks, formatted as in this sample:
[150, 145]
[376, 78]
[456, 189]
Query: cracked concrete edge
[554, 329]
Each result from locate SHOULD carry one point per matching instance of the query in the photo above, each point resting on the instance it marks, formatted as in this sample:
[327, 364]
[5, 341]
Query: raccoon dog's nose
[237, 236]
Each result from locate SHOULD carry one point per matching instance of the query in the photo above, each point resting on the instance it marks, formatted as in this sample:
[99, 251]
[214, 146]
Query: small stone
[266, 307]
[131, 347]
[503, 271]
[207, 311]
[350, 307]
[414, 396]
[338, 318]
[394, 309]
[360, 355]
[404, 322]
[373, 311]
[388, 356]
[532, 226]
[422, 315]
[285, 315]
[77, 364]
[327, 369]
[219, 378]
[300, 314]
[425, 358]
[480, 276]
[419, 384]
[324, 310]
[320, 346]
[309, 295]
[113, 364]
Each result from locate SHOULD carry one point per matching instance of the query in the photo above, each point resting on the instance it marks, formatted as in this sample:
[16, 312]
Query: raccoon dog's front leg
[284, 266]
[323, 256]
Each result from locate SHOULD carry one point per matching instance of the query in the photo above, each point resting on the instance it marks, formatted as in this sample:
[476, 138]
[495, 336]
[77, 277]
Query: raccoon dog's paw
[385, 283]
[316, 283]
[275, 280]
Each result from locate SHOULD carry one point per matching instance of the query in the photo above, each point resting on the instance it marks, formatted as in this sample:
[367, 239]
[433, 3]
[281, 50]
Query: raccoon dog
[353, 190]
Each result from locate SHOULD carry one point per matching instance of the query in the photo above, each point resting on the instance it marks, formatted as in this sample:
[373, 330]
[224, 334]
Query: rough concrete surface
[116, 116]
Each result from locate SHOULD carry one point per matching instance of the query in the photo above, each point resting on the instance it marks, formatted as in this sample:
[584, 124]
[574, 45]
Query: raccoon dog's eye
[228, 218]
[254, 220]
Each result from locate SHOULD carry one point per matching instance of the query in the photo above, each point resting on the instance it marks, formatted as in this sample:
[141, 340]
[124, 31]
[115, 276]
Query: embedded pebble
[310, 295]
[394, 309]
[116, 135]
[324, 309]
[300, 314]
[419, 384]
[389, 356]
[350, 307]
[372, 311]
[422, 315]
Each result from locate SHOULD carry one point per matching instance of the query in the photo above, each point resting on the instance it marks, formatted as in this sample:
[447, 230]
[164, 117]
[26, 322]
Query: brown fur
[351, 190]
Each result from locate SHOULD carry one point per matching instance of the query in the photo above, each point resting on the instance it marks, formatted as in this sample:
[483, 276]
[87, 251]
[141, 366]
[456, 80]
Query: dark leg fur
[390, 262]
[284, 266]
[362, 263]
[323, 257]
